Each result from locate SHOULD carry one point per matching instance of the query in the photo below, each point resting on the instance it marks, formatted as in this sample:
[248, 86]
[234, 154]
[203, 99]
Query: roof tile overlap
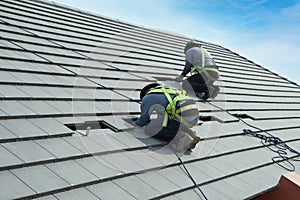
[63, 69]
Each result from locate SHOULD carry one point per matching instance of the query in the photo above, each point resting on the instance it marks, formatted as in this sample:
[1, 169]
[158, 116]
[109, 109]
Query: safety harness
[205, 69]
[177, 105]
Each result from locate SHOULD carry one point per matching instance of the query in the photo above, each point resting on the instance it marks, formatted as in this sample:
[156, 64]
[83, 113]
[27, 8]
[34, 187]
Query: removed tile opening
[243, 116]
[91, 125]
[208, 118]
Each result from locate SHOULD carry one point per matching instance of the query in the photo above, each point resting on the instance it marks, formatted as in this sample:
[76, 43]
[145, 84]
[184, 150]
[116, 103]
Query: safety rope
[190, 176]
[268, 141]
[281, 146]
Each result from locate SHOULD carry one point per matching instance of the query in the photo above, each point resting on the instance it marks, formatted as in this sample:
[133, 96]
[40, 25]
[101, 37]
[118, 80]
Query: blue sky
[264, 31]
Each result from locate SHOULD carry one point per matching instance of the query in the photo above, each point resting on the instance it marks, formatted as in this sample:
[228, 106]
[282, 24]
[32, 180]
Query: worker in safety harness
[175, 115]
[203, 69]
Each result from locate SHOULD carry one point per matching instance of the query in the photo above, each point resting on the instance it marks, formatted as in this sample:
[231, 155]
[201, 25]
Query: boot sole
[194, 142]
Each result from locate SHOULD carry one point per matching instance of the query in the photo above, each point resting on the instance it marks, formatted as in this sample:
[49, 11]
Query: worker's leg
[192, 134]
[182, 137]
[182, 141]
[194, 84]
[215, 91]
[155, 129]
[168, 133]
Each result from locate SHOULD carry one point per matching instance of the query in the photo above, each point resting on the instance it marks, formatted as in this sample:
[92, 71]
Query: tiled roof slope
[63, 69]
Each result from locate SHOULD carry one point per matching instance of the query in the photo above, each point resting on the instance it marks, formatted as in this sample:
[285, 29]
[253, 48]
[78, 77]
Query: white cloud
[292, 12]
[245, 4]
[281, 58]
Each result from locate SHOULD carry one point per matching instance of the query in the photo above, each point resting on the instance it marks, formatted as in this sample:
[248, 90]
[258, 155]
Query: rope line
[191, 177]
[268, 141]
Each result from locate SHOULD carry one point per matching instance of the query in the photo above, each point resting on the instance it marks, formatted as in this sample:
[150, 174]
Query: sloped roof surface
[62, 70]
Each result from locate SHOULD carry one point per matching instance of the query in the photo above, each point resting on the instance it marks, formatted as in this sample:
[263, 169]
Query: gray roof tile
[109, 190]
[86, 144]
[51, 197]
[65, 107]
[4, 43]
[59, 92]
[33, 92]
[120, 162]
[106, 140]
[28, 151]
[8, 77]
[158, 182]
[40, 107]
[15, 108]
[71, 172]
[100, 168]
[8, 27]
[170, 198]
[13, 54]
[225, 187]
[32, 177]
[5, 133]
[195, 194]
[8, 158]
[59, 147]
[78, 68]
[19, 189]
[9, 91]
[174, 174]
[136, 187]
[24, 129]
[77, 194]
[51, 126]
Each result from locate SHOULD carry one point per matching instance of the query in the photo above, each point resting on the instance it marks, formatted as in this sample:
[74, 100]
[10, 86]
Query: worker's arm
[145, 109]
[187, 68]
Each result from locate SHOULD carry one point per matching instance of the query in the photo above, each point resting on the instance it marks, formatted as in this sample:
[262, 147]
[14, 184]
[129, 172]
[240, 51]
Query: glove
[179, 78]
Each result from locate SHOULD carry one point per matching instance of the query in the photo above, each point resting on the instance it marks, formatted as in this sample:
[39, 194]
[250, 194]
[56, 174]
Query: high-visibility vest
[177, 105]
[205, 69]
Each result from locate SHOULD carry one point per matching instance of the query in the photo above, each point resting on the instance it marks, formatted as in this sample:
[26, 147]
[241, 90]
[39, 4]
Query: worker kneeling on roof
[176, 115]
[203, 69]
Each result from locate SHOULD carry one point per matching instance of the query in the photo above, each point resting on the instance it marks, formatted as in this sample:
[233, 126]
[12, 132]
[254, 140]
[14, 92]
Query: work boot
[199, 95]
[215, 92]
[194, 142]
[184, 142]
[208, 92]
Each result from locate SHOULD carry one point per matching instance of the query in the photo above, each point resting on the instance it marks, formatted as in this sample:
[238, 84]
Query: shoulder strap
[172, 111]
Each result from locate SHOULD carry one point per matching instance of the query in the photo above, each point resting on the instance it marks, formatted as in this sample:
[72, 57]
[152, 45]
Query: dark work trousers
[155, 129]
[195, 83]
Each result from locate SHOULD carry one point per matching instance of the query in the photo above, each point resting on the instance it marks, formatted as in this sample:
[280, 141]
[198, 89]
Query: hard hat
[191, 44]
[146, 88]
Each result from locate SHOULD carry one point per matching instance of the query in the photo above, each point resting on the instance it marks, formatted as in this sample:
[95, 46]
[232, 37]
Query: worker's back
[194, 56]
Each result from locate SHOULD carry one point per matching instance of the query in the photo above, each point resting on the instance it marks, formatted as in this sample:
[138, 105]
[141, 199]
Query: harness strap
[205, 70]
[187, 124]
[171, 103]
[184, 108]
[203, 58]
[171, 111]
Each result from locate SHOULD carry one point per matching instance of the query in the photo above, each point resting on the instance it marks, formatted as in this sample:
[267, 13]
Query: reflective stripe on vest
[200, 69]
[171, 111]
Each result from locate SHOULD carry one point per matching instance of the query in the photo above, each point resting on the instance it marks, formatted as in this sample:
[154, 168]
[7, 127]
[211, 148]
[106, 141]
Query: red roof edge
[289, 188]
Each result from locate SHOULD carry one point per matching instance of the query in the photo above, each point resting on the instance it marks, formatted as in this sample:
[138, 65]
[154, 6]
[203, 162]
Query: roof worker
[203, 69]
[175, 115]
